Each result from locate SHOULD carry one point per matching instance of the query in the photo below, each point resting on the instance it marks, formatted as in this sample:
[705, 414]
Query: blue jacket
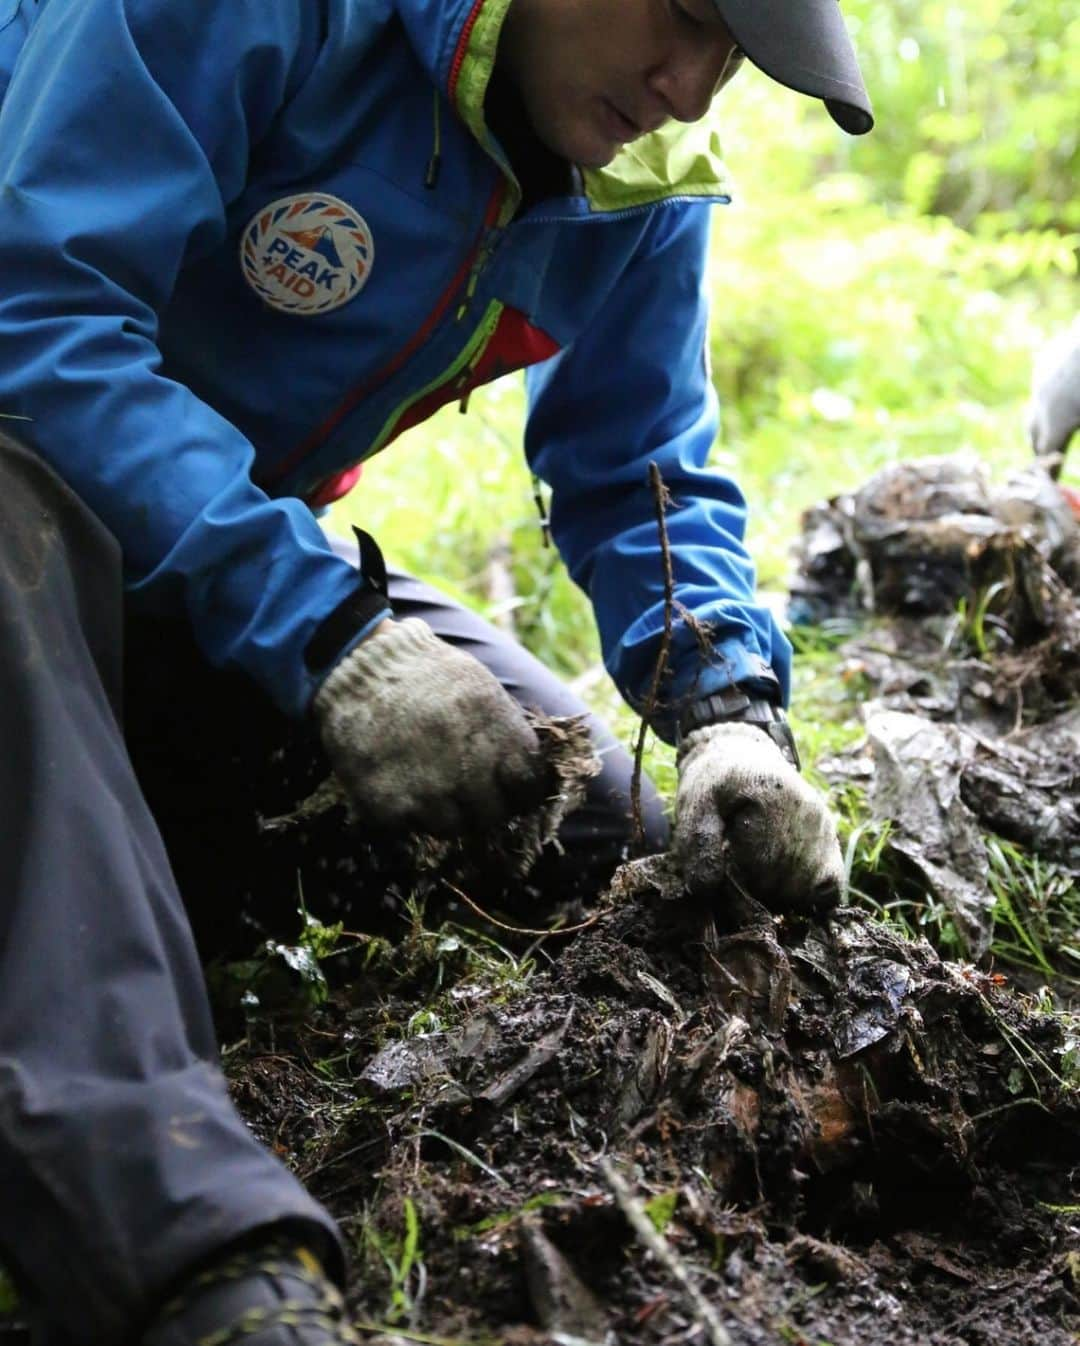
[244, 244]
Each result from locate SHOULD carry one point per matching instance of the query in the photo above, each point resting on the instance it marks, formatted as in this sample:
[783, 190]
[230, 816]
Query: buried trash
[917, 770]
[821, 1122]
[970, 650]
[708, 1123]
[920, 537]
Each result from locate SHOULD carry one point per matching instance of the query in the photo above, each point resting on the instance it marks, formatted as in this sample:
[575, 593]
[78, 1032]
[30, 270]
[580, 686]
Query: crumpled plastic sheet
[873, 992]
[876, 992]
[919, 536]
[452, 1067]
[943, 786]
[916, 784]
[1027, 788]
[951, 558]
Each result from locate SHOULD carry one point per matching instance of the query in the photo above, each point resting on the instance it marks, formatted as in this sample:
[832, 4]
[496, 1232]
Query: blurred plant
[978, 108]
[976, 105]
[400, 1254]
[9, 1298]
[1036, 912]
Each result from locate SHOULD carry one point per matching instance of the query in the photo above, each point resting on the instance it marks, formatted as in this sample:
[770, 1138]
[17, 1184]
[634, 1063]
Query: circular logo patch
[307, 254]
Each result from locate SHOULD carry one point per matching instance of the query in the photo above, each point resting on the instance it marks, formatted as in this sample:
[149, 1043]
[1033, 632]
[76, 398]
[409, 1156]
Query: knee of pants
[605, 817]
[605, 820]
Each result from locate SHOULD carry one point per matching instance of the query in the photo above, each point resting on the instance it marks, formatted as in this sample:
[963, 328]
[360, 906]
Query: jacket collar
[457, 40]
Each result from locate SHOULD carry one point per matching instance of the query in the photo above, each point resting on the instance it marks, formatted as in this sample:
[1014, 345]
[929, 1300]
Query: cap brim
[804, 44]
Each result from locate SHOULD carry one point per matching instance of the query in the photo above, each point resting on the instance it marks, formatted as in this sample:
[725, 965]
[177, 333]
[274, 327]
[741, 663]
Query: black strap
[354, 612]
[738, 705]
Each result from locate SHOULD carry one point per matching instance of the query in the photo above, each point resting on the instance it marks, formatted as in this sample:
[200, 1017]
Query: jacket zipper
[469, 273]
[484, 253]
[457, 375]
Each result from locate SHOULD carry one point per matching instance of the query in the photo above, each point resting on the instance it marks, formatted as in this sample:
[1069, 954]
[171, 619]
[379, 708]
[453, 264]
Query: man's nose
[691, 74]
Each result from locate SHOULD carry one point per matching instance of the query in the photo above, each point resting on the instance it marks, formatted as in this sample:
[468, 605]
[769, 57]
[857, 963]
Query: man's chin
[584, 150]
[599, 159]
[587, 152]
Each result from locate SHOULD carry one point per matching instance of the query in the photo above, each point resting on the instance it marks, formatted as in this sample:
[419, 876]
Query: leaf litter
[718, 1125]
[696, 1125]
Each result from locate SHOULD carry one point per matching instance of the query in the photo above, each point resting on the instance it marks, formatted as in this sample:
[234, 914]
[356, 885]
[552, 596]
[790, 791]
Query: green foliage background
[874, 299]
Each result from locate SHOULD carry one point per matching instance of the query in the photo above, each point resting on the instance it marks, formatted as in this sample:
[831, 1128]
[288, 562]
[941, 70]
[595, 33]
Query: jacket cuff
[355, 615]
[741, 705]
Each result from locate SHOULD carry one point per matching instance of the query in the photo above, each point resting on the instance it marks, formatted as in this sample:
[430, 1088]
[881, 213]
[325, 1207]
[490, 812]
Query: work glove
[424, 739]
[745, 817]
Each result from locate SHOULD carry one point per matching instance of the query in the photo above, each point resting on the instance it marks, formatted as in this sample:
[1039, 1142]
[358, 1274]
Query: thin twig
[521, 929]
[664, 1253]
[660, 499]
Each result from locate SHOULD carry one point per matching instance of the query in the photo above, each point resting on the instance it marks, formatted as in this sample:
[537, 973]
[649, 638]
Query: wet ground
[679, 1131]
[681, 1125]
[710, 1126]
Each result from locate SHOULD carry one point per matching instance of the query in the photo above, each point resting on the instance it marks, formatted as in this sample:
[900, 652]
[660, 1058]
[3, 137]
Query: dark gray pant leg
[122, 1159]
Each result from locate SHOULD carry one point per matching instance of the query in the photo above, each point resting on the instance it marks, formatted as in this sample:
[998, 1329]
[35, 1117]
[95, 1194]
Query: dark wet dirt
[841, 1138]
[682, 1125]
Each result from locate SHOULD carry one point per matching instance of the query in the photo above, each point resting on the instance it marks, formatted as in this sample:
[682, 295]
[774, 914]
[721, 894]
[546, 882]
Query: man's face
[595, 74]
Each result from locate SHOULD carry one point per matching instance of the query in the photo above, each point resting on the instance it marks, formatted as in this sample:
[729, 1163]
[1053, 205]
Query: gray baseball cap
[804, 45]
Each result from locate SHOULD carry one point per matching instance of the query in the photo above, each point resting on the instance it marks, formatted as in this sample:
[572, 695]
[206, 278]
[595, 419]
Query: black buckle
[734, 705]
[353, 613]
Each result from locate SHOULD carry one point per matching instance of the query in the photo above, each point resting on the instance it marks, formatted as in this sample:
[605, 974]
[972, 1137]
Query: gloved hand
[743, 811]
[425, 739]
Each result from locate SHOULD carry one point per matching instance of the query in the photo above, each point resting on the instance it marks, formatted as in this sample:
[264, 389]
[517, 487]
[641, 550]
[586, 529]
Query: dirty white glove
[425, 739]
[744, 813]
